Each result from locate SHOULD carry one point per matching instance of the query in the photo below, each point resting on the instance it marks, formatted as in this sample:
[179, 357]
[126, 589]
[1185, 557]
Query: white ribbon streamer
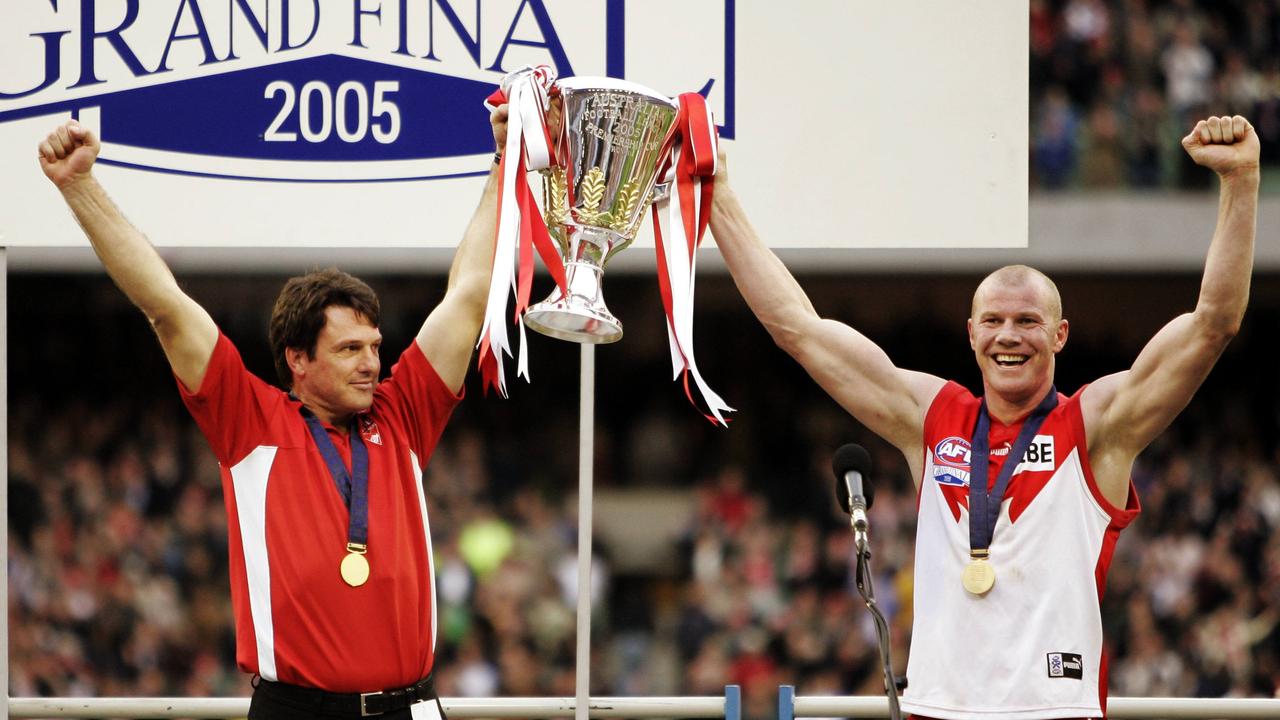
[527, 100]
[681, 267]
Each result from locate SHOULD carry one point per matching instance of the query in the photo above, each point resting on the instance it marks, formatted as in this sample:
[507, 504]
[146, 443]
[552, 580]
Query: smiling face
[337, 380]
[1015, 330]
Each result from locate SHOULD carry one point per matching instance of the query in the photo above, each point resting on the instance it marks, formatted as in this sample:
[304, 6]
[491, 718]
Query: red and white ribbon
[693, 164]
[521, 228]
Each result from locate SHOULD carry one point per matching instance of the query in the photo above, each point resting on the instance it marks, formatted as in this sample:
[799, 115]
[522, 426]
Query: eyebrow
[1036, 314]
[343, 342]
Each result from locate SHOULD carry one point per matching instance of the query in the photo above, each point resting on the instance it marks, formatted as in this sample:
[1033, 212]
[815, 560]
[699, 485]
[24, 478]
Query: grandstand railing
[791, 706]
[729, 707]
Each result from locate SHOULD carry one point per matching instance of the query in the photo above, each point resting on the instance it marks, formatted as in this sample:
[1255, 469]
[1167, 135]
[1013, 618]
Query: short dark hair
[298, 315]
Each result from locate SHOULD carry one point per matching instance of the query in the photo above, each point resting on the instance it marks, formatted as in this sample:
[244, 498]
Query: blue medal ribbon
[983, 512]
[353, 486]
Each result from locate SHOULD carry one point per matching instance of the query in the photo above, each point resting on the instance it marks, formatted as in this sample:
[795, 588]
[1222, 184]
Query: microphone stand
[862, 577]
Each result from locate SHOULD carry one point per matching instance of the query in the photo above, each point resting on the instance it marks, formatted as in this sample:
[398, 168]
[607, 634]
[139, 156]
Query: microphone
[851, 464]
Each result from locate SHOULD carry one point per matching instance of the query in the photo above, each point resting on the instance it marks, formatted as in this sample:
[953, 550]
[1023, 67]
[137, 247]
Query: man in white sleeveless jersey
[1023, 491]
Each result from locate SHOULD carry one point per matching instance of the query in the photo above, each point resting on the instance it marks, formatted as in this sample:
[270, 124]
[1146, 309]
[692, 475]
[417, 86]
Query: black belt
[365, 704]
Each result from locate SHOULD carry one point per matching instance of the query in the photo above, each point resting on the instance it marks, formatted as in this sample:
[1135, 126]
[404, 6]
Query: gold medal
[978, 576]
[355, 567]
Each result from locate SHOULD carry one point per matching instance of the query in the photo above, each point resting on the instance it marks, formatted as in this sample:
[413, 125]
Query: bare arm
[187, 333]
[1126, 411]
[854, 370]
[448, 336]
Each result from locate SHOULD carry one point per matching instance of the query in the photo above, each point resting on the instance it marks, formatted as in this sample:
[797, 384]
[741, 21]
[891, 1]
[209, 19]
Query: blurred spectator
[1104, 160]
[1188, 70]
[1055, 143]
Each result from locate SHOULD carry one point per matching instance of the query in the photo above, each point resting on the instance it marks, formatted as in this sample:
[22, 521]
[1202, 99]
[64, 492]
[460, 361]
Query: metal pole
[867, 590]
[586, 453]
[529, 708]
[4, 470]
[545, 708]
[1117, 707]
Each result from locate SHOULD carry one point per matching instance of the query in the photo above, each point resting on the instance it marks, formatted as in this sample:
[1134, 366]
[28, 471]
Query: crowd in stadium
[118, 557]
[1115, 83]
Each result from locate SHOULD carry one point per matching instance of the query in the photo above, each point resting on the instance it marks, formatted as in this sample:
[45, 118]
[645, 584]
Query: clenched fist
[68, 153]
[1225, 145]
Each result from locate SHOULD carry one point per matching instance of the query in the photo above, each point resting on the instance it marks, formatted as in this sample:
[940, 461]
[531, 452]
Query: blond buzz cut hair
[1015, 275]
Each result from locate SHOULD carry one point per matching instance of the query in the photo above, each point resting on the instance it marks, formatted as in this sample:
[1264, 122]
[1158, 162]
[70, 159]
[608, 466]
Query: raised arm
[854, 370]
[448, 336]
[186, 331]
[1126, 411]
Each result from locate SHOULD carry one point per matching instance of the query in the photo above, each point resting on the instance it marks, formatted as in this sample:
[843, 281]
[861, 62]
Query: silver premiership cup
[612, 141]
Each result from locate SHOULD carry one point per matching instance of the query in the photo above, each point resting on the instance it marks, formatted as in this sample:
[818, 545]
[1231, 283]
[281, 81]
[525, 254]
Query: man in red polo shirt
[330, 547]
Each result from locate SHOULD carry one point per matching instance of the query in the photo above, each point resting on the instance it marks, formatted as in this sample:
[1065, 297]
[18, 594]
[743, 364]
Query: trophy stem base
[582, 317]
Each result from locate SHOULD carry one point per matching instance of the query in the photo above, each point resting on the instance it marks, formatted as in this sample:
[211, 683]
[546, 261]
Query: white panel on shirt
[249, 478]
[426, 532]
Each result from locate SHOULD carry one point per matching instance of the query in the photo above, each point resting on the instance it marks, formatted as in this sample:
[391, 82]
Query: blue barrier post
[786, 702]
[732, 702]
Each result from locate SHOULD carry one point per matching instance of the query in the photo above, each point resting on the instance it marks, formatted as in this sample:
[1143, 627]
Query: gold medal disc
[978, 577]
[355, 569]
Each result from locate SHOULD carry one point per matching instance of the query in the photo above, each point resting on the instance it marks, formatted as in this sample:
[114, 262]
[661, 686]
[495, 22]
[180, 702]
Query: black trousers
[275, 701]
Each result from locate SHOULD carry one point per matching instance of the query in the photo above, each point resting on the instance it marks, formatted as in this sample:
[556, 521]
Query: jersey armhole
[1120, 517]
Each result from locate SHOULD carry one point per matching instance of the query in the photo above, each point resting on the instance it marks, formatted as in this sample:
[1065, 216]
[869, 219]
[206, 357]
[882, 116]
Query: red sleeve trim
[1119, 517]
[944, 397]
[949, 392]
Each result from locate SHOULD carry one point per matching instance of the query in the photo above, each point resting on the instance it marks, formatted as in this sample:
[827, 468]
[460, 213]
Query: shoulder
[1095, 400]
[951, 406]
[952, 396]
[413, 380]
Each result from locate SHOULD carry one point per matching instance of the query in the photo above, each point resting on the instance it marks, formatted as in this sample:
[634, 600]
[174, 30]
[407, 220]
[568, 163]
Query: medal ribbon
[983, 512]
[693, 163]
[353, 486]
[521, 228]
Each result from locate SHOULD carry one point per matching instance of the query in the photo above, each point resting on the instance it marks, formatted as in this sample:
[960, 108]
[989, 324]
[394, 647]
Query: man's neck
[341, 423]
[1011, 410]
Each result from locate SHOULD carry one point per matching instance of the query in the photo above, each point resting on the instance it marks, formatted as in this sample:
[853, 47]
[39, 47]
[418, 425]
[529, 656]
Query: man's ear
[295, 357]
[968, 325]
[1060, 338]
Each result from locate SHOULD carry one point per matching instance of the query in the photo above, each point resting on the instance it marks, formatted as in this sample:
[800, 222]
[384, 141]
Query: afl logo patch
[951, 461]
[953, 451]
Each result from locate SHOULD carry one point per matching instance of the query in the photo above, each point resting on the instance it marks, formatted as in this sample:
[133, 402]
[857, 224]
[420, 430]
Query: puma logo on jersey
[1065, 665]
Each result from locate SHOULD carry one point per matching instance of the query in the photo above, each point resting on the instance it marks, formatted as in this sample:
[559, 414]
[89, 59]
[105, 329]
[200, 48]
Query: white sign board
[340, 123]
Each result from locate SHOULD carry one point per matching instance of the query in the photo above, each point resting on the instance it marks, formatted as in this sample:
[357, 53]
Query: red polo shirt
[296, 620]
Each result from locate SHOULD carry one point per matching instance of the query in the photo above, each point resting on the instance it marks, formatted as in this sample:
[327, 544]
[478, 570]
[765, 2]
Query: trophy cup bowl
[611, 142]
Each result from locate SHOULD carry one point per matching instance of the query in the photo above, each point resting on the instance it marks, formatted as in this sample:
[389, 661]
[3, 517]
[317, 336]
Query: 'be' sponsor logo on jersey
[1039, 455]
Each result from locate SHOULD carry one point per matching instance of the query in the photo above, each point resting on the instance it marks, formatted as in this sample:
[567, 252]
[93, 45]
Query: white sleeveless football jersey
[1031, 647]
